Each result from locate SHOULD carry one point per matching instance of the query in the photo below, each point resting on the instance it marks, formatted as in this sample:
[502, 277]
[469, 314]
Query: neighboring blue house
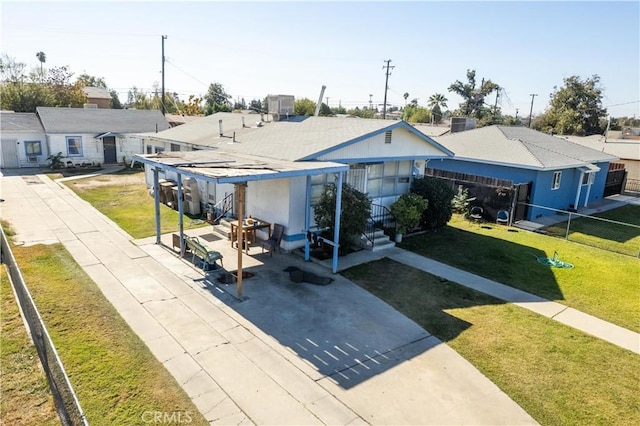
[552, 171]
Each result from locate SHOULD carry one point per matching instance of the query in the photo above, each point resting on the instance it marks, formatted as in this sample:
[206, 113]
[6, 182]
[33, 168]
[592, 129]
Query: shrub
[55, 161]
[461, 201]
[408, 211]
[355, 211]
[439, 195]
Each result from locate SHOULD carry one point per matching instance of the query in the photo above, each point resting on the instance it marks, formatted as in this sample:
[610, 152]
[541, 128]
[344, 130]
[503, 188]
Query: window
[74, 146]
[149, 149]
[33, 148]
[389, 179]
[588, 178]
[175, 147]
[556, 180]
[158, 149]
[387, 136]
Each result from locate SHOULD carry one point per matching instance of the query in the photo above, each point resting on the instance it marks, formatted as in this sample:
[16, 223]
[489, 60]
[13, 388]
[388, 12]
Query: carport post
[336, 232]
[180, 209]
[307, 218]
[240, 234]
[156, 203]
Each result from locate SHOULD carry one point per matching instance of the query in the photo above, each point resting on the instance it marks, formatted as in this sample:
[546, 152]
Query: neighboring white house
[23, 140]
[92, 135]
[382, 157]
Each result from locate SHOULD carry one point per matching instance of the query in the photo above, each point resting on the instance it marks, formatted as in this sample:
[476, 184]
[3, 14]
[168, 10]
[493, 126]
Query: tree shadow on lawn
[506, 262]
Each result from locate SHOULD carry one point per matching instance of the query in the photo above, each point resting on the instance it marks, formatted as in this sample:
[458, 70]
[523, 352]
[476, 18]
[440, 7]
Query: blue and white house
[561, 174]
[377, 157]
[23, 142]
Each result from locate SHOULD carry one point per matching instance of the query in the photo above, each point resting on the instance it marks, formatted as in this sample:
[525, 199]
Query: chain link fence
[66, 401]
[603, 233]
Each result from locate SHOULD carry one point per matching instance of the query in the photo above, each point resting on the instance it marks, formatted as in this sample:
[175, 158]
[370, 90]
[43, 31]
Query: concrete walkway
[268, 359]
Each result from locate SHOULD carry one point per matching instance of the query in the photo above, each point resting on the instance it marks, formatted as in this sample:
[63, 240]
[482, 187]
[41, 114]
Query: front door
[9, 153]
[523, 192]
[109, 147]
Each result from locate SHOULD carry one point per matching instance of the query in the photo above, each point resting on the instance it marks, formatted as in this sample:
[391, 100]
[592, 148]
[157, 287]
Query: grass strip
[130, 206]
[559, 375]
[602, 283]
[115, 376]
[26, 399]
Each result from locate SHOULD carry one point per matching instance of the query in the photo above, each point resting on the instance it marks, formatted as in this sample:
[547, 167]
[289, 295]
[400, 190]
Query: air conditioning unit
[32, 159]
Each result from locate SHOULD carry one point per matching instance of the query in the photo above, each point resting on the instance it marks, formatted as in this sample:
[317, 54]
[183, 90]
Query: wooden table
[248, 231]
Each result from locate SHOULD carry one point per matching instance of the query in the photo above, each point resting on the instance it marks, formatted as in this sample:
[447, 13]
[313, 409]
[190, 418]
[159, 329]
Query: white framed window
[74, 146]
[588, 178]
[556, 180]
[33, 148]
[175, 147]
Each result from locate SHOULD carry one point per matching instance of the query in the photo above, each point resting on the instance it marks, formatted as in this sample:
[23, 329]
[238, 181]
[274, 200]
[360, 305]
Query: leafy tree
[304, 106]
[42, 57]
[255, 104]
[440, 195]
[217, 99]
[114, 103]
[137, 99]
[436, 102]
[87, 80]
[416, 114]
[193, 106]
[355, 211]
[325, 111]
[620, 122]
[362, 113]
[574, 109]
[405, 96]
[473, 105]
[338, 110]
[240, 104]
[66, 94]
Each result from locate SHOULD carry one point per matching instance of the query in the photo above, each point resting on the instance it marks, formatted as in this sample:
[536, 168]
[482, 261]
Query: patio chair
[476, 214]
[502, 217]
[273, 242]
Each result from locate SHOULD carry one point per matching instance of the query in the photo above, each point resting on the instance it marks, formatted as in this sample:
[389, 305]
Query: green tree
[408, 210]
[574, 109]
[66, 94]
[304, 106]
[114, 103]
[87, 80]
[355, 211]
[216, 99]
[436, 102]
[473, 104]
[325, 111]
[256, 105]
[193, 106]
[338, 110]
[440, 195]
[137, 99]
[42, 57]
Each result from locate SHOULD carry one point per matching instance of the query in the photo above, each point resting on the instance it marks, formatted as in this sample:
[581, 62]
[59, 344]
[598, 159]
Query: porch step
[381, 241]
[223, 229]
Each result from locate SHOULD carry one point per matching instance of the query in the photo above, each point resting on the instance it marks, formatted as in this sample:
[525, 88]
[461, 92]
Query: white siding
[19, 138]
[92, 148]
[403, 144]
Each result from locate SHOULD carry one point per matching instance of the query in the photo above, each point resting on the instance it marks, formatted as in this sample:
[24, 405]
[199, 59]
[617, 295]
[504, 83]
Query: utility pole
[327, 98]
[533, 96]
[371, 103]
[517, 112]
[164, 108]
[495, 106]
[386, 87]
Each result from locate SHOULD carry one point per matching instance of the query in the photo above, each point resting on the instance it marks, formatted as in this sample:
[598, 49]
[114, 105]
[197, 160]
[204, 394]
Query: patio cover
[239, 168]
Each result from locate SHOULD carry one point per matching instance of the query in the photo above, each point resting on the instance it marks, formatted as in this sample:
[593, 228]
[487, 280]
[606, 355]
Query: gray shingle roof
[294, 140]
[520, 147]
[96, 92]
[94, 120]
[20, 122]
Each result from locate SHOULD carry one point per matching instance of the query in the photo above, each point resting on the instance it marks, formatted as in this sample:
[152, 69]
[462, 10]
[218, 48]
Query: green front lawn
[602, 283]
[114, 374]
[559, 375]
[129, 205]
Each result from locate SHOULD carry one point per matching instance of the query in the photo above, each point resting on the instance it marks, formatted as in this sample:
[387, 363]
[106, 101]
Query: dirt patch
[123, 179]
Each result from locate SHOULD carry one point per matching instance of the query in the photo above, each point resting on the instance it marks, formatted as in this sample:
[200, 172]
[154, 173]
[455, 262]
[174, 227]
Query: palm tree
[406, 95]
[436, 101]
[42, 58]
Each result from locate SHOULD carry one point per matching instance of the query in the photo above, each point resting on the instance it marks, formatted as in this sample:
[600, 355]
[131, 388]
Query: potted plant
[408, 211]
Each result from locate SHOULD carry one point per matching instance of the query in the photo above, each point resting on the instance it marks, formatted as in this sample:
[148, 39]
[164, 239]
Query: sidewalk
[272, 358]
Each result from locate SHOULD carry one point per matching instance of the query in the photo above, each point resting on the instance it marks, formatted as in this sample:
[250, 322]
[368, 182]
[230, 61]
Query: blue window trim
[31, 154]
[80, 146]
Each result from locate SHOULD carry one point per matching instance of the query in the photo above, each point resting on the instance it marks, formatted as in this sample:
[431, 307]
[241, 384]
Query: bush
[439, 195]
[354, 213]
[408, 211]
[56, 162]
[461, 202]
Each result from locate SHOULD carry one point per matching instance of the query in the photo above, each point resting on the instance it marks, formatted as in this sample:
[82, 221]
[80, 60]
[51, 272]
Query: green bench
[209, 257]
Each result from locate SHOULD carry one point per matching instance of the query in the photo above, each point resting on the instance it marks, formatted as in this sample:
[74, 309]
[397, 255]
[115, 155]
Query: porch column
[579, 188]
[589, 183]
[180, 210]
[156, 203]
[239, 235]
[336, 232]
[307, 218]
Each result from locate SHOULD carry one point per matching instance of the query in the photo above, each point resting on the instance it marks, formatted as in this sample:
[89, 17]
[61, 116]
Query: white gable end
[404, 144]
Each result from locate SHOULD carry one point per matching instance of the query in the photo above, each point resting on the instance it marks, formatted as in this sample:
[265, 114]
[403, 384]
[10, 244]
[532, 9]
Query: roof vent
[220, 124]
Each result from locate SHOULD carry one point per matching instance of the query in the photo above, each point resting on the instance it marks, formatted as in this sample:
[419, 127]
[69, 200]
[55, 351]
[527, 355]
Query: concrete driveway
[288, 354]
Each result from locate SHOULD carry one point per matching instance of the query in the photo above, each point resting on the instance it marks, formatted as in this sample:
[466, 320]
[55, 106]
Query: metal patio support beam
[336, 232]
[156, 203]
[240, 234]
[307, 219]
[577, 202]
[180, 210]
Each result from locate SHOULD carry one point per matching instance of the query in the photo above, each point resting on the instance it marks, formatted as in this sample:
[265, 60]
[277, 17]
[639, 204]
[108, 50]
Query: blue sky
[257, 48]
